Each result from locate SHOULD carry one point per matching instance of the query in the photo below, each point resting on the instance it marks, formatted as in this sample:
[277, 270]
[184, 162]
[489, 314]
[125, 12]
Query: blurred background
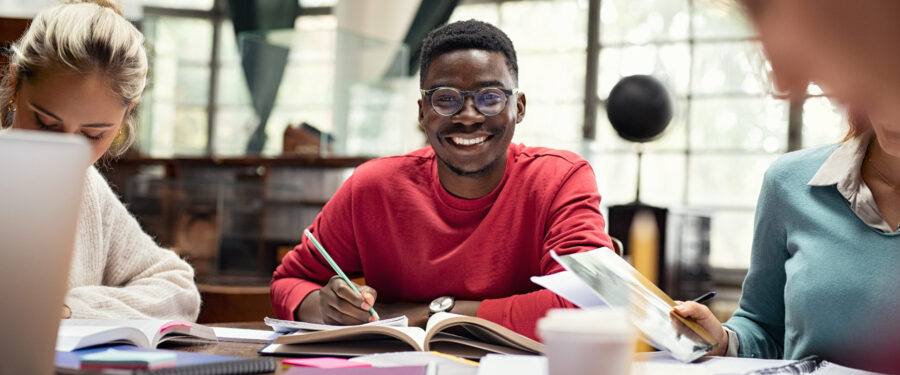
[256, 111]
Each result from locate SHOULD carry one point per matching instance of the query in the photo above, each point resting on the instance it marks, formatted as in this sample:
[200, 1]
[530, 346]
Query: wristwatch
[441, 304]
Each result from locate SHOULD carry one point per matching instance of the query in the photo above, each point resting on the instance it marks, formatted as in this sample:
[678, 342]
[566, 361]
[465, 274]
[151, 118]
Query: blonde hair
[87, 36]
[859, 124]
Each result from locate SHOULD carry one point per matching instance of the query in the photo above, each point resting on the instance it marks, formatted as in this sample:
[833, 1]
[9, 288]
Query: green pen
[335, 267]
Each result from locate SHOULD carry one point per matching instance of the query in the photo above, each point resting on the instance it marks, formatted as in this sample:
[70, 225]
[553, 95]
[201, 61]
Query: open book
[464, 336]
[82, 333]
[618, 284]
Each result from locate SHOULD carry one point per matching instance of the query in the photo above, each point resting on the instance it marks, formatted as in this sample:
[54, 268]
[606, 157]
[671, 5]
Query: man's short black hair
[471, 34]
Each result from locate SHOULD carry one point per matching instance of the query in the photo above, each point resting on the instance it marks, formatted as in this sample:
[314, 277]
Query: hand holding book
[703, 316]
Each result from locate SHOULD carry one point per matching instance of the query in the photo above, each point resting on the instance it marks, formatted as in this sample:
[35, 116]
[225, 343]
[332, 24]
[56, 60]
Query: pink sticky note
[175, 323]
[324, 362]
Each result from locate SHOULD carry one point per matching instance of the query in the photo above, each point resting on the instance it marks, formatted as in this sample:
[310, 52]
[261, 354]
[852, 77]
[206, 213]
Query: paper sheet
[245, 335]
[497, 364]
[568, 286]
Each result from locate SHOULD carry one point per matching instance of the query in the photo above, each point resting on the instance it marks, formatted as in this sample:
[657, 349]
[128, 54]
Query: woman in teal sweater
[824, 275]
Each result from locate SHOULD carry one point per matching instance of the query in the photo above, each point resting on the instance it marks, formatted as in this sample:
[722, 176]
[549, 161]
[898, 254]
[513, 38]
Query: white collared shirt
[844, 170]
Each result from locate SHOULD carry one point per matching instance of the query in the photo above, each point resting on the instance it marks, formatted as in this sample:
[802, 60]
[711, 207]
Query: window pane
[731, 67]
[174, 116]
[562, 86]
[317, 3]
[178, 38]
[726, 180]
[307, 84]
[489, 13]
[662, 179]
[669, 63]
[381, 119]
[180, 4]
[643, 21]
[823, 123]
[190, 131]
[234, 124]
[305, 93]
[551, 125]
[314, 39]
[752, 124]
[567, 21]
[192, 85]
[616, 177]
[720, 19]
[232, 87]
[731, 238]
[172, 130]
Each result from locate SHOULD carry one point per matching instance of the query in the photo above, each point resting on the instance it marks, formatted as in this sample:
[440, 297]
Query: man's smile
[465, 140]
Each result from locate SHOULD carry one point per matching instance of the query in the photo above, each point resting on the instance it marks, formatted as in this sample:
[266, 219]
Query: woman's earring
[12, 105]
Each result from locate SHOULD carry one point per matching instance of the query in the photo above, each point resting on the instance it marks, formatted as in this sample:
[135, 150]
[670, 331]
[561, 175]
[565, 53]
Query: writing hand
[340, 305]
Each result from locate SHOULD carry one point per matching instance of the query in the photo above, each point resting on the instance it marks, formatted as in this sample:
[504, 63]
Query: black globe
[639, 107]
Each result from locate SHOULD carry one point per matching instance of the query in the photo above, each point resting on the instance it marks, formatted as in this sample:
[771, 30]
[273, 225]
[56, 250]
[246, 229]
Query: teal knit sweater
[820, 281]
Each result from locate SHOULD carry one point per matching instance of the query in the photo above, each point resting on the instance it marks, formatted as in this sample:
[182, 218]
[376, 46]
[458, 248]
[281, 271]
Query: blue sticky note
[130, 357]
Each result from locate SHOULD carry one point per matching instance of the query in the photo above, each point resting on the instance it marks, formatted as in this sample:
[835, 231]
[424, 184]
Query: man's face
[469, 143]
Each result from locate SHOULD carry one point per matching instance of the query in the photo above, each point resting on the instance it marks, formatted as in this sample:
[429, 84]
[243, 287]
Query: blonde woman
[823, 275]
[80, 69]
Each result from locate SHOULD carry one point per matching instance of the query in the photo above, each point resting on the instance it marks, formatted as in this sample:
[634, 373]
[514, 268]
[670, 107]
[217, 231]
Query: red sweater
[393, 223]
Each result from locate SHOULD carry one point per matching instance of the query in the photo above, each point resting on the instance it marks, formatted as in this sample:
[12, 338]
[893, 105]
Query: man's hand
[66, 312]
[705, 318]
[337, 304]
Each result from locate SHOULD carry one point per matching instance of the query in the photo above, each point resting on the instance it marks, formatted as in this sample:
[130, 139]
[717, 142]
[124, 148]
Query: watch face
[441, 304]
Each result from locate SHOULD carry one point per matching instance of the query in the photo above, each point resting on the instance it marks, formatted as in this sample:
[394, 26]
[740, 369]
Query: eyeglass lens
[448, 102]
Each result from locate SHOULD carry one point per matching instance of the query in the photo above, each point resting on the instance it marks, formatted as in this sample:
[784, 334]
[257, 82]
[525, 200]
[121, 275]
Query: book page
[414, 337]
[567, 285]
[245, 335]
[288, 326]
[479, 333]
[79, 333]
[144, 333]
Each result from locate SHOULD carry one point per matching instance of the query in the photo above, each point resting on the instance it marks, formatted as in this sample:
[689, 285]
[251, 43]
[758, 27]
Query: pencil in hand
[335, 267]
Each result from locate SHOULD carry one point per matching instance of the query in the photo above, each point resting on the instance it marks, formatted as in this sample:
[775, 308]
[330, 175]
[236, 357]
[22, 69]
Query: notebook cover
[405, 370]
[71, 360]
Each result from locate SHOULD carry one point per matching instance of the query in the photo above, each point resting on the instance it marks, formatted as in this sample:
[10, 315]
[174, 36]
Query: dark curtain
[263, 63]
[429, 16]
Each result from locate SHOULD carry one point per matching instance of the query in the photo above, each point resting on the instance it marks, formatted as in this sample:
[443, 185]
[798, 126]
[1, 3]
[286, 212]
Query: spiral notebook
[186, 363]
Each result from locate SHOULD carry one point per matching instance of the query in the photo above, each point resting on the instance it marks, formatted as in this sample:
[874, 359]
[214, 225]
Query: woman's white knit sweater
[118, 271]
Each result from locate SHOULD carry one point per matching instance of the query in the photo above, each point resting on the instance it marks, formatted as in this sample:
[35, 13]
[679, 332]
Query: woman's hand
[704, 317]
[66, 312]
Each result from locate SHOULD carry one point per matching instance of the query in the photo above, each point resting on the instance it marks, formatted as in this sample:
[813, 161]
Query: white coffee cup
[594, 341]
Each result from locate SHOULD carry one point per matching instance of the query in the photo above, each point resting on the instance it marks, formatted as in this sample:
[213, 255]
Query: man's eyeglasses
[448, 101]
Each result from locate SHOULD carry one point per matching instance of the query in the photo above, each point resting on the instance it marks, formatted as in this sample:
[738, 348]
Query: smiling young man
[458, 226]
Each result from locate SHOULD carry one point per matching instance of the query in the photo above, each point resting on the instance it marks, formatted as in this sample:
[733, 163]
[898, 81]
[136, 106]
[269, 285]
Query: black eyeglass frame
[473, 94]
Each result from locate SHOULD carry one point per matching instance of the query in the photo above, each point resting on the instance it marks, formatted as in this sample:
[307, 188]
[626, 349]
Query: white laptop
[41, 183]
